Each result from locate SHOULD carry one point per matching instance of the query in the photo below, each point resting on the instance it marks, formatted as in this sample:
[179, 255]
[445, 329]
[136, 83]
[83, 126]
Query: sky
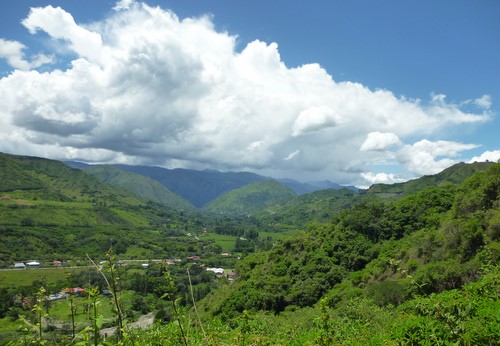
[355, 92]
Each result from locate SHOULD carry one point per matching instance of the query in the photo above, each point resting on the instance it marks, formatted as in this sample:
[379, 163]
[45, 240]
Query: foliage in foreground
[467, 316]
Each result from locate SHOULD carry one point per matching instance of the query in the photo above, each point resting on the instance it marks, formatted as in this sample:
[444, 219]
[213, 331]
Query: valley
[408, 263]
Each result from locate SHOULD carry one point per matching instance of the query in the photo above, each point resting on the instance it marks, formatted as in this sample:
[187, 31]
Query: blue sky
[352, 91]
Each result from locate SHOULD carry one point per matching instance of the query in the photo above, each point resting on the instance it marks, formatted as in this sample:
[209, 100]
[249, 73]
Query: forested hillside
[451, 175]
[383, 254]
[420, 267]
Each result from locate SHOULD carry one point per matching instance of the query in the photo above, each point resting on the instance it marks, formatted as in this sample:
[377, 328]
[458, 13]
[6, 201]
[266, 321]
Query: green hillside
[318, 206]
[455, 174]
[387, 258]
[419, 269]
[49, 210]
[252, 197]
[140, 185]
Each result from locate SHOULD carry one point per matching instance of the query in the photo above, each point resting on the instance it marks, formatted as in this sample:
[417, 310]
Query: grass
[26, 277]
[59, 310]
[226, 242]
[132, 217]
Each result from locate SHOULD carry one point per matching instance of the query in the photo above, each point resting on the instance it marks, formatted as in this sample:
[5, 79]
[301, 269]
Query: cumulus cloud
[381, 178]
[145, 86]
[425, 157]
[123, 5]
[493, 156]
[60, 24]
[313, 119]
[12, 52]
[379, 141]
[483, 102]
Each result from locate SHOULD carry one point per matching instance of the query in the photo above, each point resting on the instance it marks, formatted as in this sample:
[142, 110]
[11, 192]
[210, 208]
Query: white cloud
[314, 119]
[381, 178]
[493, 156]
[60, 24]
[123, 5]
[12, 52]
[425, 157]
[292, 155]
[148, 87]
[380, 141]
[483, 102]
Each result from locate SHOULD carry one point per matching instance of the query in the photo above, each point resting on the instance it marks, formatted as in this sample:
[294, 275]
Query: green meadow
[226, 242]
[26, 277]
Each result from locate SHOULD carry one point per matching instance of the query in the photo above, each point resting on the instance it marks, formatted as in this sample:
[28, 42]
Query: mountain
[455, 174]
[379, 254]
[54, 181]
[201, 187]
[318, 206]
[252, 197]
[76, 164]
[140, 185]
[50, 210]
[198, 187]
[303, 188]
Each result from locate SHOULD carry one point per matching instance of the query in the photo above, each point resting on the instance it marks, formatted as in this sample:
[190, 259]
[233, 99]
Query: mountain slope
[437, 239]
[49, 210]
[250, 198]
[318, 206]
[140, 185]
[455, 174]
[12, 177]
[198, 187]
[309, 187]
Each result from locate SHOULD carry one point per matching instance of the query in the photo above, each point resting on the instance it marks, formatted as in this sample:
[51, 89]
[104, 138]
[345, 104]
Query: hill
[427, 242]
[308, 187]
[455, 174]
[140, 185]
[318, 206]
[414, 270]
[198, 187]
[250, 198]
[49, 210]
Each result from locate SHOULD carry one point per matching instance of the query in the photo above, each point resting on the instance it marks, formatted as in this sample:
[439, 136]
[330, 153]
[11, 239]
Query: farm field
[226, 242]
[26, 277]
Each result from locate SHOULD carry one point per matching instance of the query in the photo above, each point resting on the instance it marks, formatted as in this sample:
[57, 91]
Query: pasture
[26, 277]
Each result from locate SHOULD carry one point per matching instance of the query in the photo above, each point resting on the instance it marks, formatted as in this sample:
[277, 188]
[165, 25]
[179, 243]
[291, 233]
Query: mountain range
[199, 187]
[387, 262]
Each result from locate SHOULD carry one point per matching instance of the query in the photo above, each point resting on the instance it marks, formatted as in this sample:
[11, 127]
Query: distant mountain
[250, 198]
[303, 188]
[455, 174]
[201, 187]
[198, 187]
[140, 185]
[76, 164]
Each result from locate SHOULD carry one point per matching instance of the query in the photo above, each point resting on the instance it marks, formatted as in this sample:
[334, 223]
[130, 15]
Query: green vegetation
[452, 175]
[19, 277]
[252, 197]
[142, 186]
[49, 211]
[328, 268]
